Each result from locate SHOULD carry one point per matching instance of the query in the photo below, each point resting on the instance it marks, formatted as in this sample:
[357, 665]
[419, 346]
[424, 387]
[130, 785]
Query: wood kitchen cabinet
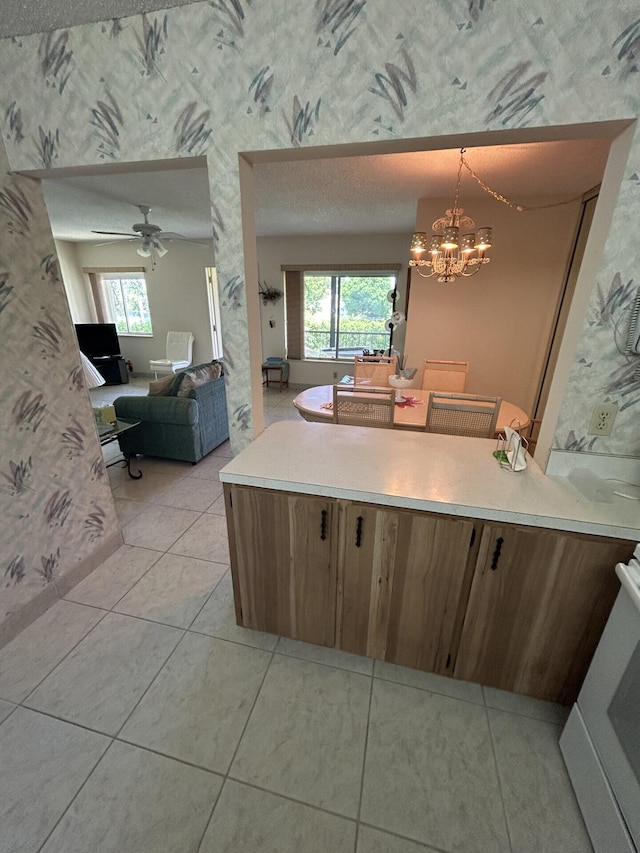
[538, 603]
[365, 579]
[513, 607]
[400, 579]
[283, 562]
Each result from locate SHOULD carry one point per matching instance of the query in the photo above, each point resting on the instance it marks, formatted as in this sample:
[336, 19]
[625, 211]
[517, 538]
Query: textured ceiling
[21, 17]
[179, 201]
[357, 195]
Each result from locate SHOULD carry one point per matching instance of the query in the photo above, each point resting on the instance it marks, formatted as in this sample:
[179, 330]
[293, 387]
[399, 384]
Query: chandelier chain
[457, 195]
[498, 197]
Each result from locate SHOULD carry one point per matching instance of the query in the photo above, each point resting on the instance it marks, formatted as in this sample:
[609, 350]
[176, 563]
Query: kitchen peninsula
[421, 550]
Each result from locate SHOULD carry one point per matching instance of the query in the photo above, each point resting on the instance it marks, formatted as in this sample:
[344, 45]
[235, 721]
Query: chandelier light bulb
[435, 244]
[468, 243]
[450, 239]
[418, 243]
[484, 239]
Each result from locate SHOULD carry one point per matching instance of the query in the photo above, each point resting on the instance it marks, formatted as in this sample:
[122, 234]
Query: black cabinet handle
[359, 532]
[323, 524]
[496, 553]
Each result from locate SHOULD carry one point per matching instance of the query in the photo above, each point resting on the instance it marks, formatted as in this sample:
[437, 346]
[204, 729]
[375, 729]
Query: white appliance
[601, 741]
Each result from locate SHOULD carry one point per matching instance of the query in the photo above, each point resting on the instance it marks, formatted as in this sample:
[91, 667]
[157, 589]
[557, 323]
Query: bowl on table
[399, 383]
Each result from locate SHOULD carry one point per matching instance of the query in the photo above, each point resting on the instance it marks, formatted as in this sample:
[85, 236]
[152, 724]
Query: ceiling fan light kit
[150, 246]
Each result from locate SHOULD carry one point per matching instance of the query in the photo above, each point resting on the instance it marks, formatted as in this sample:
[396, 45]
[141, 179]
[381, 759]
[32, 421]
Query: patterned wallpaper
[225, 76]
[55, 501]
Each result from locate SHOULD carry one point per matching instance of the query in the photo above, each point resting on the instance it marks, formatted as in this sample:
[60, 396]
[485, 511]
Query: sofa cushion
[192, 377]
[158, 410]
[161, 387]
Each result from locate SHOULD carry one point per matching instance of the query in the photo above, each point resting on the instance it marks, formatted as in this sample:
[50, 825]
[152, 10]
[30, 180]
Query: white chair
[179, 349]
[445, 375]
[359, 407]
[462, 414]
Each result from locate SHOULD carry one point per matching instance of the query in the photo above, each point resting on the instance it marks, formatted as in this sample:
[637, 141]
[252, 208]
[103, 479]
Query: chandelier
[450, 255]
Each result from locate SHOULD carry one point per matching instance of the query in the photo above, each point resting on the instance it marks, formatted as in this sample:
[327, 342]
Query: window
[345, 313]
[125, 295]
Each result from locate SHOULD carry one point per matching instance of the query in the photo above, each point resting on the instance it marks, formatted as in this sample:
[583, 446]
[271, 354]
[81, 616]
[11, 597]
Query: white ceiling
[20, 17]
[360, 194]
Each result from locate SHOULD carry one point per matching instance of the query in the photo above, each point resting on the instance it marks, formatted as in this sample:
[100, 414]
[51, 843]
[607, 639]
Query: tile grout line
[255, 701]
[65, 656]
[523, 716]
[290, 799]
[321, 662]
[499, 780]
[156, 751]
[235, 752]
[235, 642]
[75, 796]
[67, 721]
[200, 516]
[364, 762]
[429, 690]
[15, 705]
[155, 621]
[159, 553]
[227, 777]
[226, 640]
[216, 800]
[152, 504]
[153, 680]
[208, 598]
[428, 847]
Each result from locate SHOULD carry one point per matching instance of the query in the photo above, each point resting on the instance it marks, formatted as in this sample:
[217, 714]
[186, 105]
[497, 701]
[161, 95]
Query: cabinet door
[400, 579]
[538, 604]
[284, 563]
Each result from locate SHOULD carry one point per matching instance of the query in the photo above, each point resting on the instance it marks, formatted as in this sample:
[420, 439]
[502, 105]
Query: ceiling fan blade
[114, 242]
[116, 233]
[169, 236]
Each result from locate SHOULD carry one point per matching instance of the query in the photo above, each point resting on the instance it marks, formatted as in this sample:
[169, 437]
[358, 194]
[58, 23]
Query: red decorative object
[410, 402]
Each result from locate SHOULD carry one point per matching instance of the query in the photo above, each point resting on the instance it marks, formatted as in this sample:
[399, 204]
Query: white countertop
[423, 471]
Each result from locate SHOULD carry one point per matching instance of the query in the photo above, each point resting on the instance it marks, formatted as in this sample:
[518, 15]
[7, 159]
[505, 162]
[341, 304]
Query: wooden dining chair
[374, 369]
[444, 375]
[357, 407]
[462, 414]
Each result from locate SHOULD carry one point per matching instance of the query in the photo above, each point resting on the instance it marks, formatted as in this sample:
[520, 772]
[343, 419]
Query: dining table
[410, 412]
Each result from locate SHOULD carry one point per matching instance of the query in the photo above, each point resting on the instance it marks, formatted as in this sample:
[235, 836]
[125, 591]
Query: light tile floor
[136, 716]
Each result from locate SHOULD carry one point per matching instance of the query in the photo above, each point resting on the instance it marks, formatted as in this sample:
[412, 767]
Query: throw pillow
[191, 378]
[161, 387]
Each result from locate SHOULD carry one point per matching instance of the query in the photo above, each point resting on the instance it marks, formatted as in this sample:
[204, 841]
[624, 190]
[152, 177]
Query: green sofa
[172, 427]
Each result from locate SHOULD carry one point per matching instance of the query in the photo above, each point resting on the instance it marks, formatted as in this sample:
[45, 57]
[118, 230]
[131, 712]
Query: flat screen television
[97, 340]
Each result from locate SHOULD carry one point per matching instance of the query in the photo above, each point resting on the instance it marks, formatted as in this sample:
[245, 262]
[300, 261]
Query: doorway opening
[96, 217]
[546, 164]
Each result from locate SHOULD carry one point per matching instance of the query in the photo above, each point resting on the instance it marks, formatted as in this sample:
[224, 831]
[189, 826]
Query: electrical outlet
[604, 414]
[335, 375]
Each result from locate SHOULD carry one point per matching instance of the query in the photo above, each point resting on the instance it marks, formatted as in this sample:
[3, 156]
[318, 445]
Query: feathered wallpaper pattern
[220, 77]
[55, 501]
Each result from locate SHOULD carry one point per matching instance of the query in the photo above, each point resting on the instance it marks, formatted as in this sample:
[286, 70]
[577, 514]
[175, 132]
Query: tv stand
[112, 368]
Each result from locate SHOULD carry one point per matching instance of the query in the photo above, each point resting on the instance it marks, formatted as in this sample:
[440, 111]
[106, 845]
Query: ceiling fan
[150, 236]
